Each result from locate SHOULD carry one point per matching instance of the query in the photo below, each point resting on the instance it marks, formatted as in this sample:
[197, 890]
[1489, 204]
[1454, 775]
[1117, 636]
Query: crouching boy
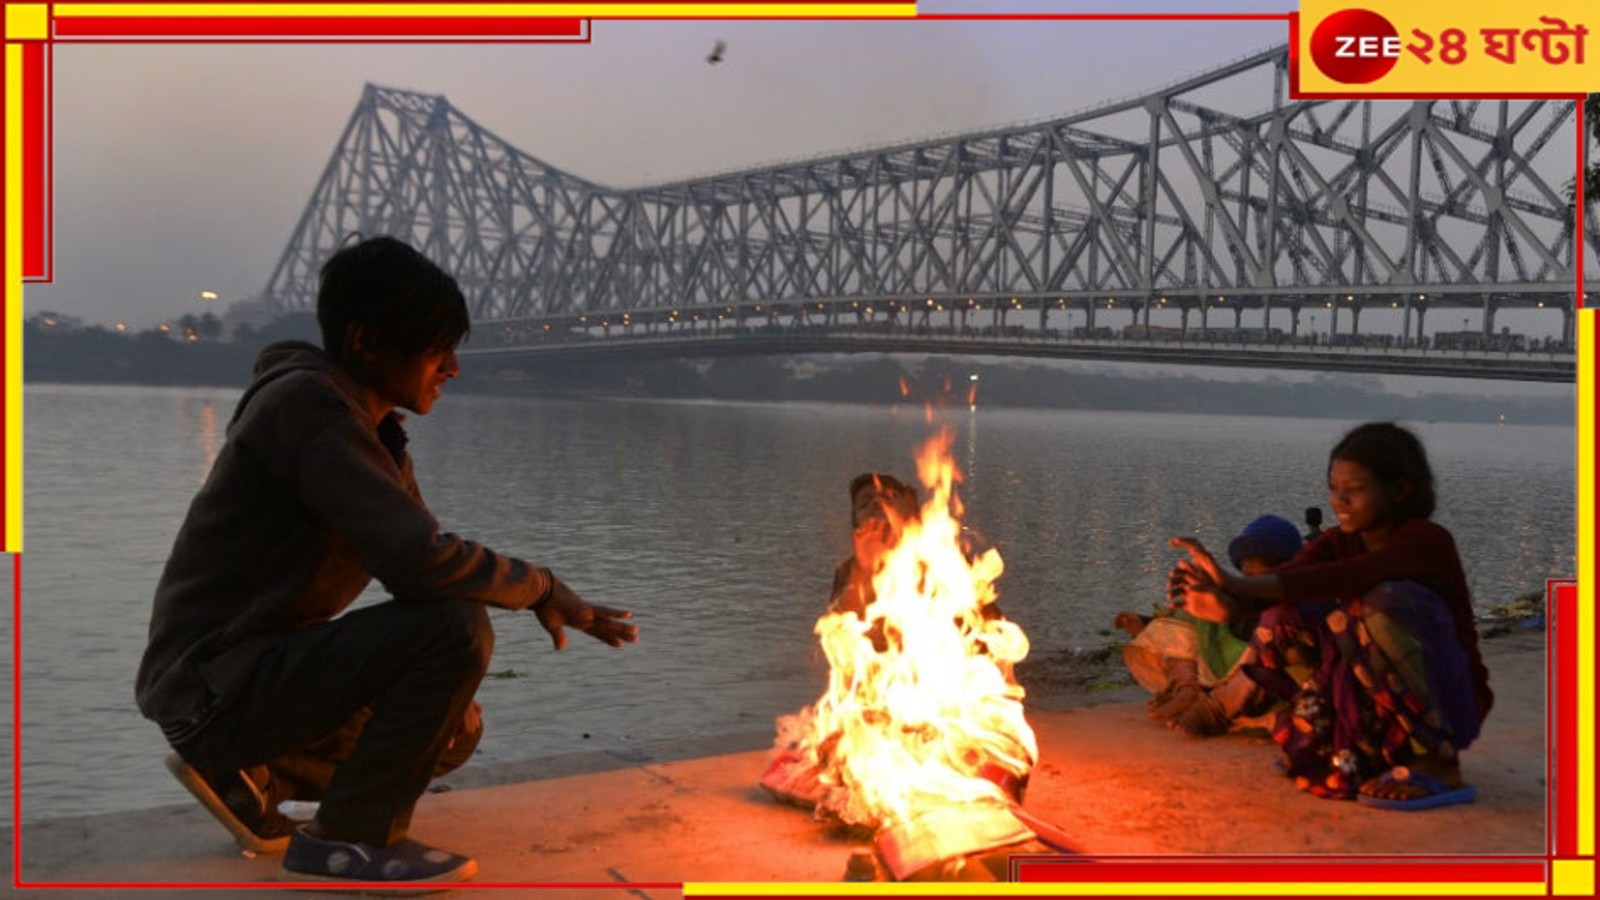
[262, 688]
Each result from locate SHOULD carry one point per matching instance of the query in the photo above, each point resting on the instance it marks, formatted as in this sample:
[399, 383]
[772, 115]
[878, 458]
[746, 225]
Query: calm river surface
[719, 524]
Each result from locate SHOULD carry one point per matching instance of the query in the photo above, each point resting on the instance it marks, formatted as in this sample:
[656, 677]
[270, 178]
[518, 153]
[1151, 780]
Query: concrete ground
[644, 824]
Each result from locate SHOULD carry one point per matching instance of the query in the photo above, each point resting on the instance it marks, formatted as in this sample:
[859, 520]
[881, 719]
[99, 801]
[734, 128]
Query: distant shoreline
[90, 357]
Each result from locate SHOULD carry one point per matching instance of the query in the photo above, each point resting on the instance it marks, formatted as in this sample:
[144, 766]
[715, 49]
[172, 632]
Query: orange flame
[921, 711]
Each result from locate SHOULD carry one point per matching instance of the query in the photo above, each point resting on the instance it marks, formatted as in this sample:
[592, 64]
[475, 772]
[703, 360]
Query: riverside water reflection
[719, 524]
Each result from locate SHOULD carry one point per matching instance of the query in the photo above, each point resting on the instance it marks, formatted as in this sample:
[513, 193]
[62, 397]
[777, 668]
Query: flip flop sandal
[275, 826]
[1438, 793]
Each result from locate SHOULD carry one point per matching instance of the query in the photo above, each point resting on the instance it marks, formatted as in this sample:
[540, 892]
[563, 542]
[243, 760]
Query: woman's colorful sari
[1369, 684]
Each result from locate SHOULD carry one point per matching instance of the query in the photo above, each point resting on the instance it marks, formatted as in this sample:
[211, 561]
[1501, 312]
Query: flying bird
[716, 53]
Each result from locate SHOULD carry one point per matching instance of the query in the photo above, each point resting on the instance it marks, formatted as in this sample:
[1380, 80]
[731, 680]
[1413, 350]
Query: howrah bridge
[1214, 221]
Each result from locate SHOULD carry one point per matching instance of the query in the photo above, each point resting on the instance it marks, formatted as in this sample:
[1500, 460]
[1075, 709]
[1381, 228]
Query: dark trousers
[359, 713]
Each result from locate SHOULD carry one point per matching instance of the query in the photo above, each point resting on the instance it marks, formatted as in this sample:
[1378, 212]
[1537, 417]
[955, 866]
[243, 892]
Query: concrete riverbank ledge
[640, 826]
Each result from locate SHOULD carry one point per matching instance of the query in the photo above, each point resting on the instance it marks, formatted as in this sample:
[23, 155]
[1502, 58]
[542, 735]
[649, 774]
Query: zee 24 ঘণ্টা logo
[1359, 46]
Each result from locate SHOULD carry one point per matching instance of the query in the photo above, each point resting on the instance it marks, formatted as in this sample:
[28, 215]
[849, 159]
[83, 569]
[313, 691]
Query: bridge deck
[1557, 367]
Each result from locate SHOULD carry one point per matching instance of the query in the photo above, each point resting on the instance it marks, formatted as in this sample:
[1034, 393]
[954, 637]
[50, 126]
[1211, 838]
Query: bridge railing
[504, 337]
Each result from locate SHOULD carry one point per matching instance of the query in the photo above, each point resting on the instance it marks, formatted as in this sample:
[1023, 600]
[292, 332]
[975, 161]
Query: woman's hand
[1196, 584]
[1200, 558]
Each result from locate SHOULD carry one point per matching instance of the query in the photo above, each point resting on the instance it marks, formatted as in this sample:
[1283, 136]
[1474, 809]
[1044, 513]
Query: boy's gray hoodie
[307, 502]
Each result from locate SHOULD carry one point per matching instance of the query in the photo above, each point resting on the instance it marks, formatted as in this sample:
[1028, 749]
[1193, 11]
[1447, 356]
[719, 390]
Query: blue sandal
[1438, 793]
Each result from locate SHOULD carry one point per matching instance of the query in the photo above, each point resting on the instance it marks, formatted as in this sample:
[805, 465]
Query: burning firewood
[920, 738]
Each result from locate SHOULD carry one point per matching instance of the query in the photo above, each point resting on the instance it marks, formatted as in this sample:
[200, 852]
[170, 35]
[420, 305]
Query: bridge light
[1393, 305]
[1422, 296]
[1349, 297]
[1541, 302]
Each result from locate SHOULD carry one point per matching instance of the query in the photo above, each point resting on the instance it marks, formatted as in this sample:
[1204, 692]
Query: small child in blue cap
[1194, 667]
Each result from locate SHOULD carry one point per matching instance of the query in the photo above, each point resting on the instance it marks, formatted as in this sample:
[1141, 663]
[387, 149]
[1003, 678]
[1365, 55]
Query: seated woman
[1368, 633]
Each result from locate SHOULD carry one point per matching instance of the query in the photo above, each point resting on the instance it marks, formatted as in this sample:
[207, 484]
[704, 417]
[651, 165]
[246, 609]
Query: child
[1195, 667]
[1368, 632]
[264, 691]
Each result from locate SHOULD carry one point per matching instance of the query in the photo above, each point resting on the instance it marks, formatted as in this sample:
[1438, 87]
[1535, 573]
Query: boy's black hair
[1396, 458]
[406, 302]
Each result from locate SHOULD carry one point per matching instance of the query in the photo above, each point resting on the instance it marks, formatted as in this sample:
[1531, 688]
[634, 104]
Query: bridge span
[1216, 198]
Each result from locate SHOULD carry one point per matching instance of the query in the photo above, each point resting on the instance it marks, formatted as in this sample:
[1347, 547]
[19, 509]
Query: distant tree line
[191, 352]
[100, 355]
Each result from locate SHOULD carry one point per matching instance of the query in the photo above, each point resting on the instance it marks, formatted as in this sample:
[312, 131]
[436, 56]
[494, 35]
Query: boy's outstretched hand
[565, 609]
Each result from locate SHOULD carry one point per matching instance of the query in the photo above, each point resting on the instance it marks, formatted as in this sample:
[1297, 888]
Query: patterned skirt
[1367, 683]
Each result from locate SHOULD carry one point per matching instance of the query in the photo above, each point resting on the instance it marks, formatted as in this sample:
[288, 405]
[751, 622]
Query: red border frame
[1561, 708]
[1267, 870]
[131, 28]
[37, 184]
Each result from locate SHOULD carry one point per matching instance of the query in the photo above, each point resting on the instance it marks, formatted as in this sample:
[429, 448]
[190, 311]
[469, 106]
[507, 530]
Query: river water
[718, 523]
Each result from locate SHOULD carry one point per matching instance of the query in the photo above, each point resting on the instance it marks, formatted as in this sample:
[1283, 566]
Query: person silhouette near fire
[880, 506]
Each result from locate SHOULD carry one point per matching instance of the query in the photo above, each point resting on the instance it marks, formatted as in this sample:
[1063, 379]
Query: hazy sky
[183, 168]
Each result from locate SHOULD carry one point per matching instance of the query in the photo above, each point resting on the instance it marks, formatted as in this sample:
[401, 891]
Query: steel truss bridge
[1199, 223]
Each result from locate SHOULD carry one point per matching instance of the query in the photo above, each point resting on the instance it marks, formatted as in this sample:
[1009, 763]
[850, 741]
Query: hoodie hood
[283, 357]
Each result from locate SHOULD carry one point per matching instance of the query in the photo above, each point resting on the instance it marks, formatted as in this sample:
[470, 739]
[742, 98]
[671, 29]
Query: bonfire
[920, 737]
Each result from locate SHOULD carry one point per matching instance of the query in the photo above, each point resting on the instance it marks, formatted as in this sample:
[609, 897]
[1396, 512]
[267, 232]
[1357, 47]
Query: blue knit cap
[1272, 538]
